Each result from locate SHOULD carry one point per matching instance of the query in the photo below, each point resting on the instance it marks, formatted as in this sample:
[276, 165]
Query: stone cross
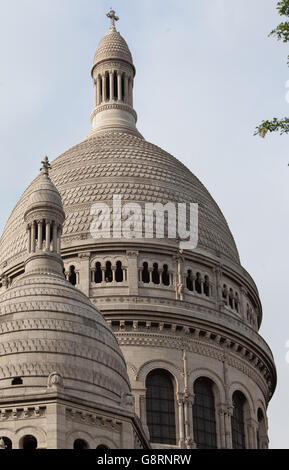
[46, 166]
[113, 18]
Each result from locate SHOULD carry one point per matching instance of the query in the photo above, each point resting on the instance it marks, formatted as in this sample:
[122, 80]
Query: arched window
[155, 274]
[115, 86]
[145, 274]
[237, 301]
[190, 285]
[80, 444]
[122, 87]
[28, 443]
[101, 92]
[198, 283]
[160, 405]
[261, 431]
[119, 272]
[189, 281]
[98, 273]
[207, 286]
[238, 427]
[107, 87]
[231, 298]
[225, 293]
[7, 443]
[204, 414]
[108, 272]
[102, 447]
[72, 275]
[165, 275]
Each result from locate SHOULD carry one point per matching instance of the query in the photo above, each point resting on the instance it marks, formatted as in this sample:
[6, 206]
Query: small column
[40, 234]
[59, 233]
[99, 98]
[222, 431]
[104, 88]
[29, 238]
[47, 233]
[132, 266]
[111, 87]
[228, 428]
[130, 94]
[189, 425]
[126, 98]
[54, 240]
[95, 93]
[180, 402]
[33, 235]
[119, 97]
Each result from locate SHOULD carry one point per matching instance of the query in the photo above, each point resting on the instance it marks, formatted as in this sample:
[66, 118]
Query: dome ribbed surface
[113, 46]
[120, 163]
[49, 326]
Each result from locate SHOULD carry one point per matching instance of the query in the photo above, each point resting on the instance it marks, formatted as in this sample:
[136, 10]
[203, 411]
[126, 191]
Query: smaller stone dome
[112, 46]
[44, 194]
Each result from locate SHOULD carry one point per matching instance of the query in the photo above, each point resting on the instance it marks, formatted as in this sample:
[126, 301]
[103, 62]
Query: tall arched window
[238, 426]
[261, 431]
[72, 275]
[108, 272]
[145, 273]
[115, 86]
[207, 286]
[160, 405]
[119, 272]
[98, 273]
[28, 443]
[7, 443]
[204, 414]
[190, 285]
[166, 275]
[156, 274]
[80, 444]
[198, 283]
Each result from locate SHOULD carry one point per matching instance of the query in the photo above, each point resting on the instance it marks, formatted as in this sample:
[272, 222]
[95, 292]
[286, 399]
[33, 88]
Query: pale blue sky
[206, 75]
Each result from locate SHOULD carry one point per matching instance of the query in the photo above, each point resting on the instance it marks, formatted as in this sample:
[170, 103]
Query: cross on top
[45, 166]
[113, 18]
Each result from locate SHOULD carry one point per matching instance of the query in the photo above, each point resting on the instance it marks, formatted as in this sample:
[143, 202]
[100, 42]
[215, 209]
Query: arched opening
[190, 285]
[207, 286]
[261, 431]
[72, 275]
[225, 294]
[145, 273]
[102, 447]
[238, 426]
[28, 443]
[198, 283]
[237, 302]
[17, 381]
[165, 275]
[156, 274]
[204, 414]
[98, 273]
[107, 87]
[6, 443]
[108, 272]
[115, 86]
[80, 444]
[160, 407]
[119, 272]
[101, 91]
[231, 298]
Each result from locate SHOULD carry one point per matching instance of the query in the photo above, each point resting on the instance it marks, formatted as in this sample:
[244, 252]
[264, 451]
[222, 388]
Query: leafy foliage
[282, 34]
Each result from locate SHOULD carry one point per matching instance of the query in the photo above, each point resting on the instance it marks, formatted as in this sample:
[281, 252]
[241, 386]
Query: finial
[45, 166]
[113, 19]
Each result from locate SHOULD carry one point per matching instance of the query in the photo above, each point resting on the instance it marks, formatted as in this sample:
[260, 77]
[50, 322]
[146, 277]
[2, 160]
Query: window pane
[160, 405]
[204, 415]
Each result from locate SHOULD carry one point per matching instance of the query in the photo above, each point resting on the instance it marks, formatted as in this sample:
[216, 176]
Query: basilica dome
[119, 163]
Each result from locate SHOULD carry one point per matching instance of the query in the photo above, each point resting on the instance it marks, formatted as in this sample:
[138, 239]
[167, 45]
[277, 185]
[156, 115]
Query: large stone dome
[120, 163]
